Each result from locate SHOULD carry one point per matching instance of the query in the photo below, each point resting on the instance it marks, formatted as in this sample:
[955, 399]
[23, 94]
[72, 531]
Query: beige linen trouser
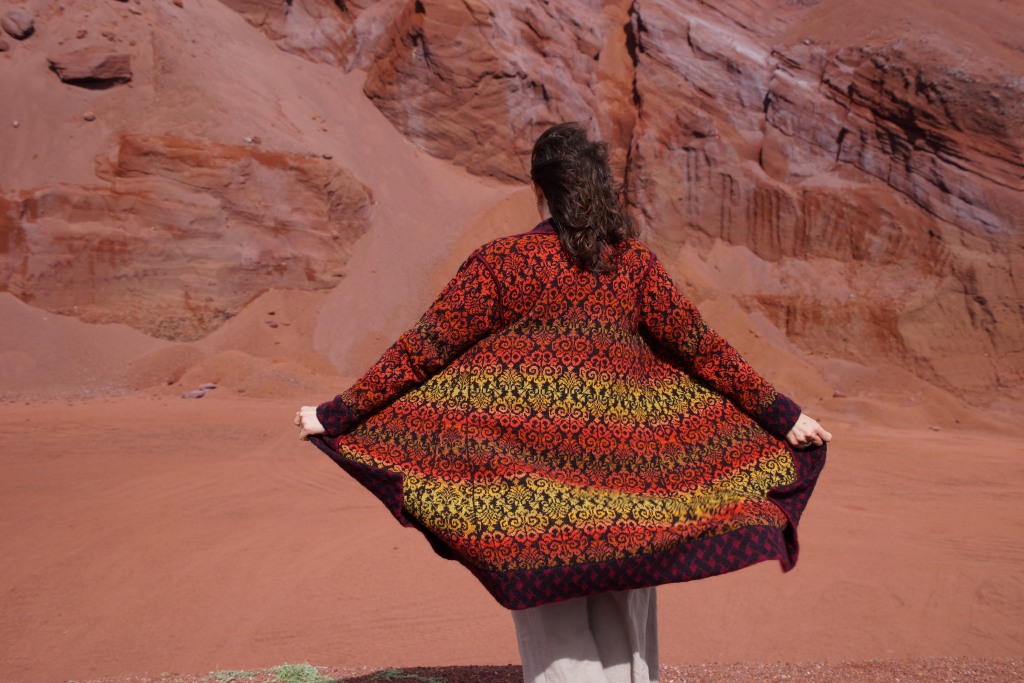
[605, 638]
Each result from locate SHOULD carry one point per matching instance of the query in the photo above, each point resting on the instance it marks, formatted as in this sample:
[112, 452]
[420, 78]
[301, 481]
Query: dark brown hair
[587, 206]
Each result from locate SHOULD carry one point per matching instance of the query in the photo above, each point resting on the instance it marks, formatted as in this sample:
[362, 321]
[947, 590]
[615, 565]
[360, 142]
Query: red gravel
[947, 670]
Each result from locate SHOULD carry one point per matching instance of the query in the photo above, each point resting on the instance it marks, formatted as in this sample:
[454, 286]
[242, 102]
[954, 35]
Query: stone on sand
[92, 65]
[18, 23]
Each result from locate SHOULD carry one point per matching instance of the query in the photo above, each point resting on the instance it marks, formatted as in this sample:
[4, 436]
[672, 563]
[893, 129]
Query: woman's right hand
[307, 422]
[806, 433]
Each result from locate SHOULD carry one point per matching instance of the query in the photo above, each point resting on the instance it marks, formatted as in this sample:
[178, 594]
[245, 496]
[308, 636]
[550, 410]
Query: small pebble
[207, 386]
[178, 3]
[89, 116]
[198, 393]
[327, 156]
[81, 33]
[15, 123]
[18, 23]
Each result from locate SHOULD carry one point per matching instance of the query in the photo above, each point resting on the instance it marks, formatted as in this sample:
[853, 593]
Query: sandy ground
[946, 669]
[148, 533]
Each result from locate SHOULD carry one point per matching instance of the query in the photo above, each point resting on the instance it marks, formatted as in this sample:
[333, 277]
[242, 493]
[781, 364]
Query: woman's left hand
[806, 433]
[307, 422]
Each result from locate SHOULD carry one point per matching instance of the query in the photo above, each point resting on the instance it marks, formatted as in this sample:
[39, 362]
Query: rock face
[895, 165]
[476, 82]
[185, 233]
[92, 65]
[344, 34]
[860, 164]
[18, 23]
[874, 160]
[315, 29]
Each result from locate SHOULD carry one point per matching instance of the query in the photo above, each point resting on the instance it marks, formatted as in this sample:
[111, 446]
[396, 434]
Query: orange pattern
[542, 421]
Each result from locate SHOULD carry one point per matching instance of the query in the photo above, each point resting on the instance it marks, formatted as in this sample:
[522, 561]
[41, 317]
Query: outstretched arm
[676, 324]
[468, 308]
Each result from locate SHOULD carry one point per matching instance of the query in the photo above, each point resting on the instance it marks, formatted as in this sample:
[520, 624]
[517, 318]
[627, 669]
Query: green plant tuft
[299, 673]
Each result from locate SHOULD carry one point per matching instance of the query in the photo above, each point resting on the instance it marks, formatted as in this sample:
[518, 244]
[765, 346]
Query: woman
[563, 423]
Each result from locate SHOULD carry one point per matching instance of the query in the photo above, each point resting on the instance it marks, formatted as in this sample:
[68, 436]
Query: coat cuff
[336, 417]
[779, 417]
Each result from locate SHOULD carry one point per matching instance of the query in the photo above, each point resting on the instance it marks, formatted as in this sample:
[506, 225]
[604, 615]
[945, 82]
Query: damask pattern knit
[563, 433]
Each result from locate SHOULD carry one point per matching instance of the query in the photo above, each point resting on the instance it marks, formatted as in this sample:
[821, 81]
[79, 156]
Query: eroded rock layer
[184, 235]
[476, 82]
[868, 156]
[892, 160]
[874, 160]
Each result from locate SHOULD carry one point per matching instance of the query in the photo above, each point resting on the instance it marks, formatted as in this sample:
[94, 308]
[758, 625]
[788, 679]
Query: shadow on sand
[441, 674]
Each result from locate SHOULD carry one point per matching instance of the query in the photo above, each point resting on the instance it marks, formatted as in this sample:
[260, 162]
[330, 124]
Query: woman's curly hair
[587, 206]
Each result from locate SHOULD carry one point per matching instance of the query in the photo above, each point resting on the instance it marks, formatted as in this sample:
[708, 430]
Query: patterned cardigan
[562, 433]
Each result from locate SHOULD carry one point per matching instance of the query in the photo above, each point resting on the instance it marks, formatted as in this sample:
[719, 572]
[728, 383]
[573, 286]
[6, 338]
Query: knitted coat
[562, 433]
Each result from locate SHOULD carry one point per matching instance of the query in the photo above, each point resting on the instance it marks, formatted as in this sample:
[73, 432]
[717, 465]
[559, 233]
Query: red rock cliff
[879, 144]
[863, 160]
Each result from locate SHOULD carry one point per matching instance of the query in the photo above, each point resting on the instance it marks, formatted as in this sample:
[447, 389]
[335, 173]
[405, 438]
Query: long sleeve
[468, 308]
[676, 325]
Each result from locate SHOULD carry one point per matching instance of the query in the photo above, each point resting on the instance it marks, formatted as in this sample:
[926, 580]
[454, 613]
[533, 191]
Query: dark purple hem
[778, 418]
[335, 416]
[697, 559]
